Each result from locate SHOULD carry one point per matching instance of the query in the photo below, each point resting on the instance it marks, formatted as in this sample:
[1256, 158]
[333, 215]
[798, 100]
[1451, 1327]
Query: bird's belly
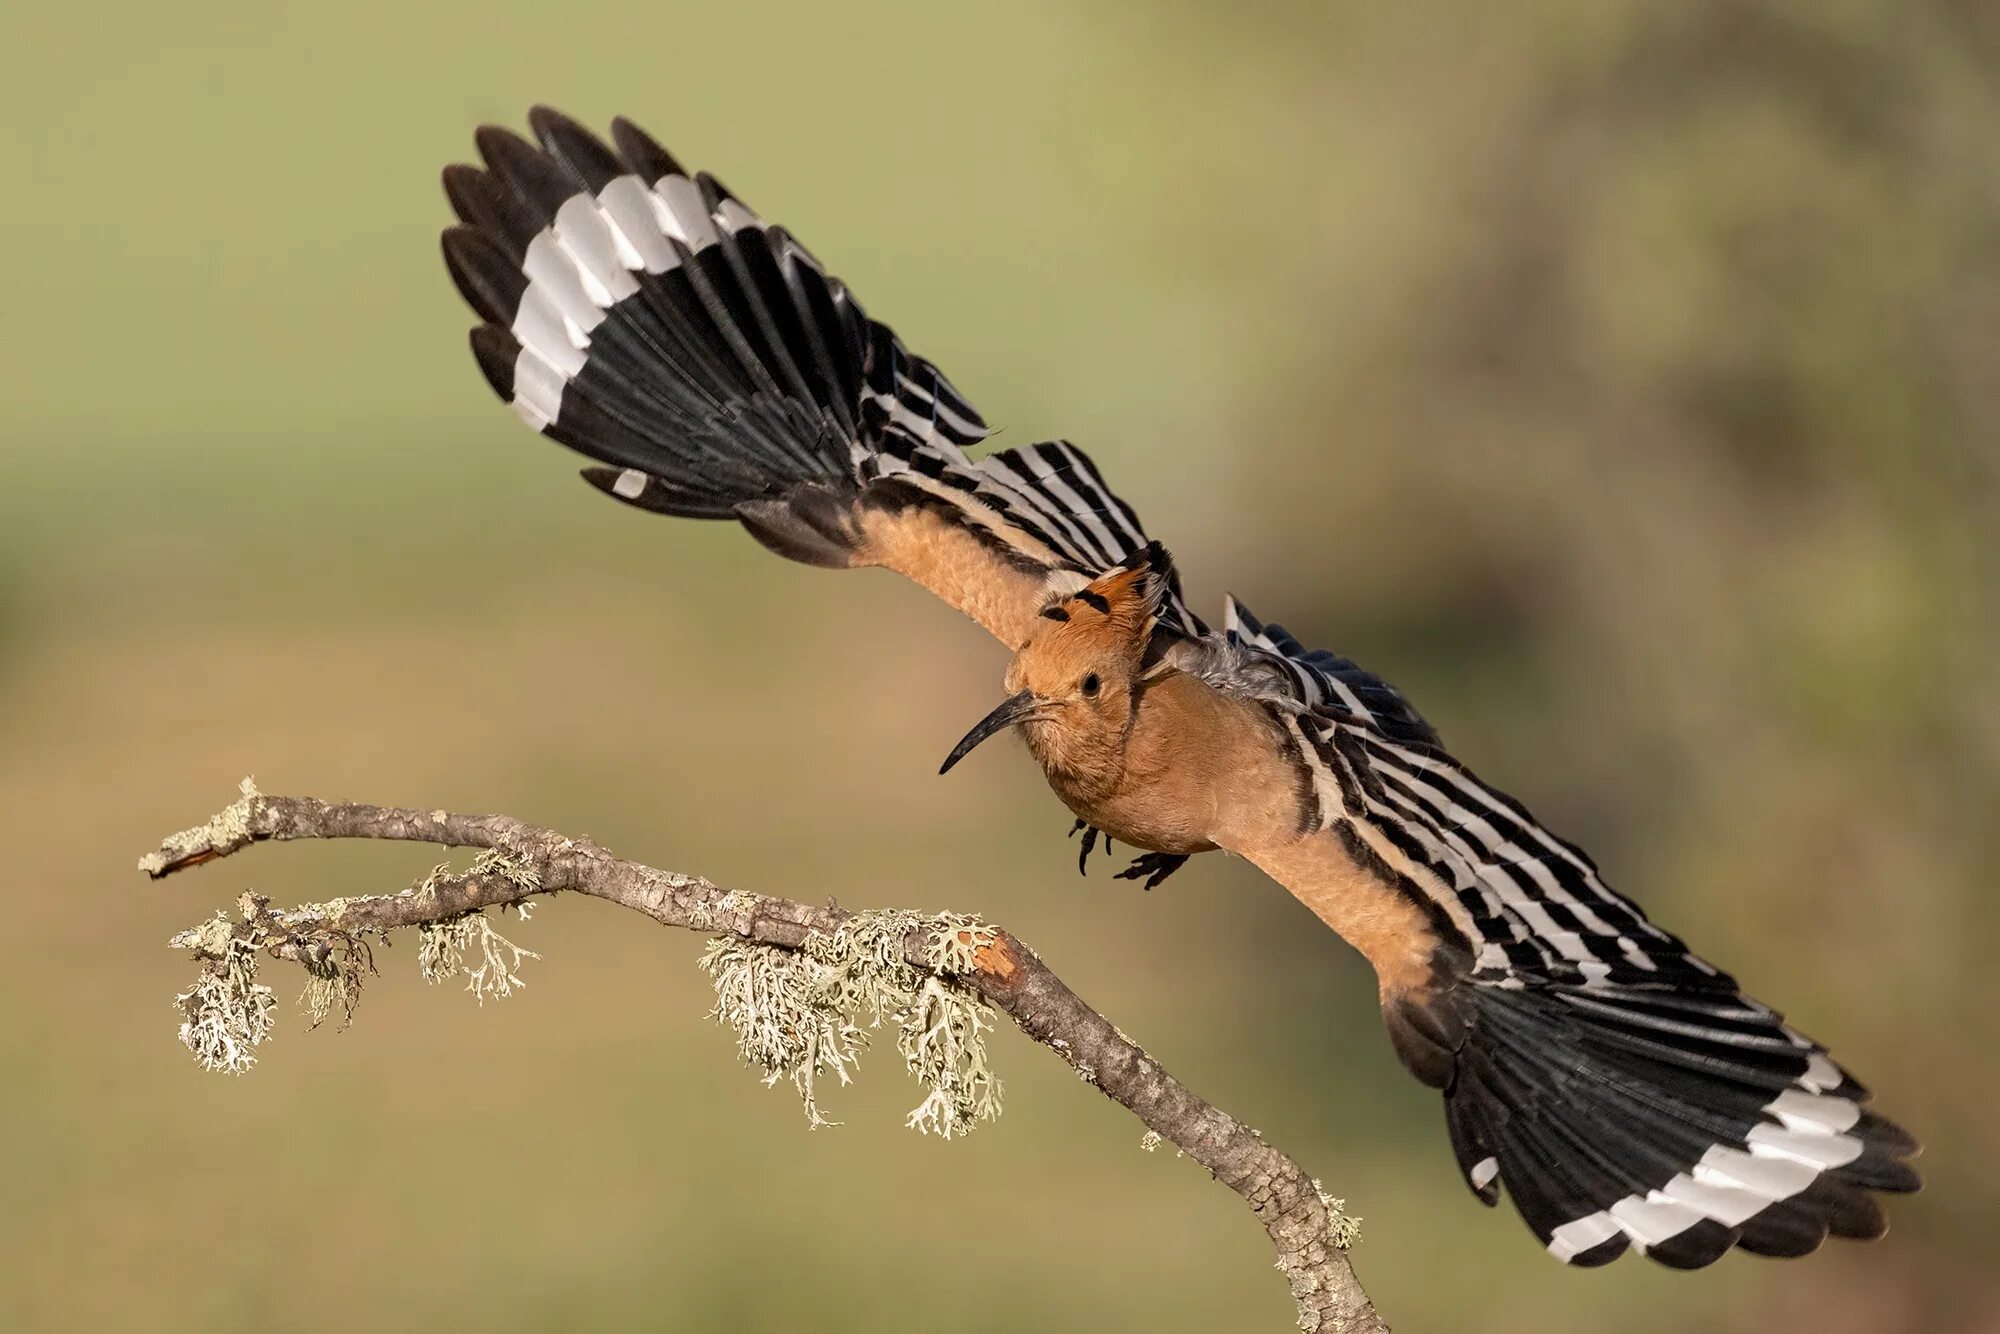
[1146, 819]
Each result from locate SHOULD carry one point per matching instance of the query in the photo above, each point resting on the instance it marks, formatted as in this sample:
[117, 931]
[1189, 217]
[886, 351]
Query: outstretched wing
[1626, 1093]
[645, 317]
[1527, 903]
[1514, 898]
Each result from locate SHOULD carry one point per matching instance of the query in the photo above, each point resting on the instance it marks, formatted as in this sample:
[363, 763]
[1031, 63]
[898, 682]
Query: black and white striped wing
[1530, 904]
[1055, 492]
[646, 317]
[1313, 679]
[1625, 1092]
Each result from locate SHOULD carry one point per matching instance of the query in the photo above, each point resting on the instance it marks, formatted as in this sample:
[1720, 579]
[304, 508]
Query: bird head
[1073, 686]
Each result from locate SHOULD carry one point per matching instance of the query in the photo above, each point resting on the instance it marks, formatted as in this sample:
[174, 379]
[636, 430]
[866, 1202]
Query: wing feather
[646, 317]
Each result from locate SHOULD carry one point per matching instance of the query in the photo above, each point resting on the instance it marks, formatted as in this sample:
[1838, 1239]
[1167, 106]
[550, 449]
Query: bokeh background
[1623, 379]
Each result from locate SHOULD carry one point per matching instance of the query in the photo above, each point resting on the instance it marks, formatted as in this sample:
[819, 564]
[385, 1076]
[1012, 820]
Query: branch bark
[1286, 1201]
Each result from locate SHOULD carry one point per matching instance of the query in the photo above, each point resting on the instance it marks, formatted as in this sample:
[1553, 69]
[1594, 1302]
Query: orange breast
[1193, 763]
[1205, 769]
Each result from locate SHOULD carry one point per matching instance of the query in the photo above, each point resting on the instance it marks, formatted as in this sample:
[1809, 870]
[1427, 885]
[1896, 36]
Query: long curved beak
[1016, 708]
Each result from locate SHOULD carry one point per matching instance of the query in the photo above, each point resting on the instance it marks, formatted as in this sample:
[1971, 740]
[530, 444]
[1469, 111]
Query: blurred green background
[1622, 379]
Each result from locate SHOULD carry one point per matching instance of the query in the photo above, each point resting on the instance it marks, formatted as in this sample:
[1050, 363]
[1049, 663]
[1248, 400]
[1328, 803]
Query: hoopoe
[1625, 1093]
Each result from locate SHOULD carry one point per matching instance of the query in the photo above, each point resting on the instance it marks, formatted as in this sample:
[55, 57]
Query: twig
[524, 861]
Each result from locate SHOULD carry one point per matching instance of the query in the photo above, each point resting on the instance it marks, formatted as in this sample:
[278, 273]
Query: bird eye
[1090, 685]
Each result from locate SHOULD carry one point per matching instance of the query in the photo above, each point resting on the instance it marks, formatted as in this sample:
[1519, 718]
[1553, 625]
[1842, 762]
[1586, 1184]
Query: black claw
[1091, 833]
[1154, 866]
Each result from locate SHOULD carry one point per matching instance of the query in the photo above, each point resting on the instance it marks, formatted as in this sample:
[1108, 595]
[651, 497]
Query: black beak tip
[1012, 710]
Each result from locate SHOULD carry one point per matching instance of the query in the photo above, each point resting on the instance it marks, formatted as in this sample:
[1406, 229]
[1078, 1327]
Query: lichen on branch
[333, 978]
[223, 833]
[227, 1014]
[445, 949]
[805, 1014]
[447, 945]
[803, 986]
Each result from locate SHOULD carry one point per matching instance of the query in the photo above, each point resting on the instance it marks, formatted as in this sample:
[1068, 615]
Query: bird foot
[1152, 866]
[1090, 833]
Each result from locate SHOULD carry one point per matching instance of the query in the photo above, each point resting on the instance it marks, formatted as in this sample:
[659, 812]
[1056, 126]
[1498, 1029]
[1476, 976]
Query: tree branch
[521, 862]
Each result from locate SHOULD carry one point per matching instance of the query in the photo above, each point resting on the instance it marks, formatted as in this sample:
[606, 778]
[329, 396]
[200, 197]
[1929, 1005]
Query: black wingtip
[546, 121]
[1849, 1211]
[713, 191]
[1603, 1253]
[586, 156]
[1694, 1247]
[486, 276]
[1784, 1231]
[496, 351]
[655, 495]
[1879, 1132]
[466, 190]
[531, 174]
[643, 153]
[499, 145]
[1877, 1172]
[482, 202]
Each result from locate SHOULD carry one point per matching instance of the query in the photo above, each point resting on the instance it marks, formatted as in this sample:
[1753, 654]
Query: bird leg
[1153, 866]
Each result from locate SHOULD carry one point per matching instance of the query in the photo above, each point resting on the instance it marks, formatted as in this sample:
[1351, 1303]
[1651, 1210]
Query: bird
[1624, 1093]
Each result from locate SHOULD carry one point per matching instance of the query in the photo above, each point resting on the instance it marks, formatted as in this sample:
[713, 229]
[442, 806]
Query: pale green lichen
[1299, 1264]
[333, 978]
[784, 1026]
[427, 888]
[954, 941]
[723, 910]
[943, 1041]
[445, 947]
[224, 833]
[805, 1014]
[504, 864]
[1342, 1231]
[334, 911]
[227, 1014]
[207, 940]
[497, 862]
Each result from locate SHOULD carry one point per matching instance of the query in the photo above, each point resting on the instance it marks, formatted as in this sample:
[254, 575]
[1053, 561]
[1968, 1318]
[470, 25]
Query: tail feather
[1849, 1210]
[1785, 1230]
[1674, 1123]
